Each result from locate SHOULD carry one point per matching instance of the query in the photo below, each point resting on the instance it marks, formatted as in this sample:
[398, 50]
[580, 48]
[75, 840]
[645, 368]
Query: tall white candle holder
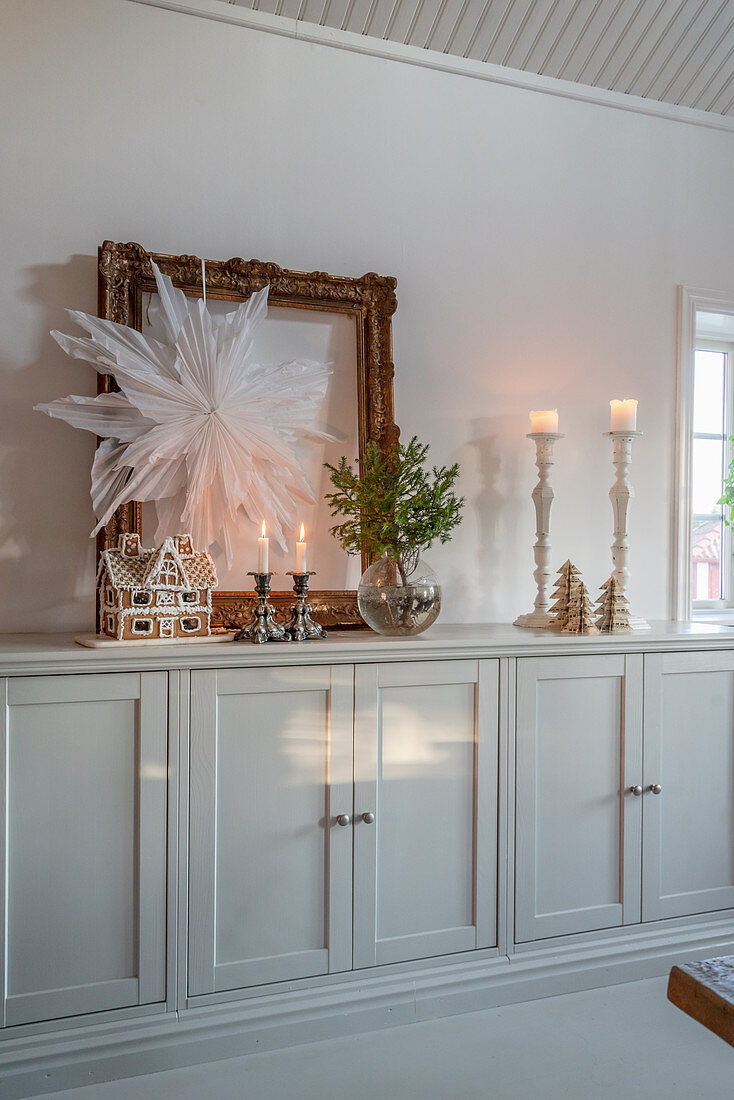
[538, 618]
[620, 494]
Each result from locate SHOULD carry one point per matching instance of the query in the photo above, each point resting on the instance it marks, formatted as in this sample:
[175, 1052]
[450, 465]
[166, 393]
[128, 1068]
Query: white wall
[537, 244]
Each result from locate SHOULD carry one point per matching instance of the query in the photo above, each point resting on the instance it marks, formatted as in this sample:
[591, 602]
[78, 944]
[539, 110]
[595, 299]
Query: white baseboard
[42, 1063]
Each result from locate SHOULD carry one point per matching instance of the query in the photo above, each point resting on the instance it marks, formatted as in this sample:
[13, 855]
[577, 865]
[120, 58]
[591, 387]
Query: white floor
[622, 1043]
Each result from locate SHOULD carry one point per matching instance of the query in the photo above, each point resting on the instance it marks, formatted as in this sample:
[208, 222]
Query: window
[710, 561]
[111, 625]
[188, 597]
[142, 626]
[703, 561]
[110, 595]
[141, 599]
[189, 625]
[168, 577]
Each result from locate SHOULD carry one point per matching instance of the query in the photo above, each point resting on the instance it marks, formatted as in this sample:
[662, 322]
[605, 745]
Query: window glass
[706, 581]
[708, 392]
[708, 471]
[710, 457]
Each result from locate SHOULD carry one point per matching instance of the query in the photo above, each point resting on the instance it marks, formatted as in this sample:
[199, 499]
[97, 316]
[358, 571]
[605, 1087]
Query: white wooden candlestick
[538, 618]
[620, 494]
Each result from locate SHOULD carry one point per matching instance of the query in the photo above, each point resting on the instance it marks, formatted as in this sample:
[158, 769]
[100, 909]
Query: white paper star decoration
[199, 427]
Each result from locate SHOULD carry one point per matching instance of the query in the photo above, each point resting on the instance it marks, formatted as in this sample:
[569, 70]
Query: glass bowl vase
[393, 601]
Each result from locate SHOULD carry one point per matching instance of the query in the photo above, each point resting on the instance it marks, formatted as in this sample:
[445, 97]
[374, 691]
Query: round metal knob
[343, 819]
[655, 788]
[368, 818]
[637, 790]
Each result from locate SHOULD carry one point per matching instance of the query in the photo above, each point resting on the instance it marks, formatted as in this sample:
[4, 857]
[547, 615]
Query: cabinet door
[85, 823]
[270, 867]
[579, 751]
[688, 855]
[426, 745]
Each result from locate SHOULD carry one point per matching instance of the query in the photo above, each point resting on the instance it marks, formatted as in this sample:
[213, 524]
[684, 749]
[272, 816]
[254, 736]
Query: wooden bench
[705, 990]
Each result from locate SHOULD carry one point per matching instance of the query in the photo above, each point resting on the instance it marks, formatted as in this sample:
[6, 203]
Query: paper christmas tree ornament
[561, 593]
[580, 617]
[612, 608]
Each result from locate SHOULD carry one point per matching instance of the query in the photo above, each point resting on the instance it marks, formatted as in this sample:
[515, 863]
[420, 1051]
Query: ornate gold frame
[125, 275]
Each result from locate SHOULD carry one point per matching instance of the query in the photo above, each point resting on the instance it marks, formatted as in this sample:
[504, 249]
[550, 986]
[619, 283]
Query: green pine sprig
[726, 500]
[393, 505]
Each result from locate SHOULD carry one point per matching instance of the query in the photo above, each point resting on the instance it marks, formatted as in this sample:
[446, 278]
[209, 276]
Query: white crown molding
[227, 12]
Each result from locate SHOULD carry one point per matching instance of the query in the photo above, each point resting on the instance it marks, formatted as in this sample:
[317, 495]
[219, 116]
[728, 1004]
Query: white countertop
[44, 653]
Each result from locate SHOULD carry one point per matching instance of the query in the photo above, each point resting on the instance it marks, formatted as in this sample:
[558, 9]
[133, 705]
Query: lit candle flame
[303, 533]
[262, 530]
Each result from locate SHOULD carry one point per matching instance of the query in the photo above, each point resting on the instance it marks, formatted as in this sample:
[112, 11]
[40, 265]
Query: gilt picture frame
[125, 277]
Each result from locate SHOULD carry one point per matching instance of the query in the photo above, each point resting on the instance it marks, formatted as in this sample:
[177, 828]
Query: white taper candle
[263, 547]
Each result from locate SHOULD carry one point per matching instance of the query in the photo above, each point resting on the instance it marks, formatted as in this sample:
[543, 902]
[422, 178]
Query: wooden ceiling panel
[673, 51]
[333, 12]
[701, 59]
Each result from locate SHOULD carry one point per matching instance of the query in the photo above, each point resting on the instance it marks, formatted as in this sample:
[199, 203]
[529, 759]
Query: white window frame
[706, 343]
[691, 301]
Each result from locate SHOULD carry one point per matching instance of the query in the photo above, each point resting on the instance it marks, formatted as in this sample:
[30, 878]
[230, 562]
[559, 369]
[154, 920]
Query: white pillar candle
[624, 415]
[546, 421]
[301, 552]
[263, 547]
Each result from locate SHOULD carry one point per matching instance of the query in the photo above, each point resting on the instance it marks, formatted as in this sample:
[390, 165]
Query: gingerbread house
[159, 593]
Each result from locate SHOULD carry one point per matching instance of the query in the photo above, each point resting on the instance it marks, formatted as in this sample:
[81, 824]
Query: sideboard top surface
[58, 653]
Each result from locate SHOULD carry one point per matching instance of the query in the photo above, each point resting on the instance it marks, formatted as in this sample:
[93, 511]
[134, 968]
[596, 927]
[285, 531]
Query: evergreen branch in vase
[392, 509]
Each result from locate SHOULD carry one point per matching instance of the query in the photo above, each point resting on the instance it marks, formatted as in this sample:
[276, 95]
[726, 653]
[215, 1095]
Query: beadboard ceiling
[672, 51]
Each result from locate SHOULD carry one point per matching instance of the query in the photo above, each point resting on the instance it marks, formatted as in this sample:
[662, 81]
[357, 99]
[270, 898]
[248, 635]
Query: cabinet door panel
[688, 830]
[85, 909]
[270, 882]
[426, 766]
[577, 830]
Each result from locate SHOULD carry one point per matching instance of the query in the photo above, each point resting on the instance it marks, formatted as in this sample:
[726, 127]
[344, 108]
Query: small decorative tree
[580, 616]
[561, 593]
[612, 609]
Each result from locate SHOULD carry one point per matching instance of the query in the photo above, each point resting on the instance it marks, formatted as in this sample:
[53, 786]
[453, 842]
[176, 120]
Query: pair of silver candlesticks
[620, 494]
[263, 627]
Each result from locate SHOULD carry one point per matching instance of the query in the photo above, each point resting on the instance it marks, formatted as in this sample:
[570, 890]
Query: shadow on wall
[493, 482]
[46, 560]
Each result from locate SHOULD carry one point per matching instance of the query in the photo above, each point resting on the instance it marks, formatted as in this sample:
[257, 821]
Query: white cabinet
[578, 826]
[426, 744]
[340, 831]
[296, 804]
[625, 799]
[688, 826]
[270, 885]
[85, 836]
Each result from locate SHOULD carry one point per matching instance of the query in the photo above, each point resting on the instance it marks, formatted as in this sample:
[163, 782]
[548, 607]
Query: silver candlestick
[620, 494]
[300, 626]
[538, 618]
[262, 627]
